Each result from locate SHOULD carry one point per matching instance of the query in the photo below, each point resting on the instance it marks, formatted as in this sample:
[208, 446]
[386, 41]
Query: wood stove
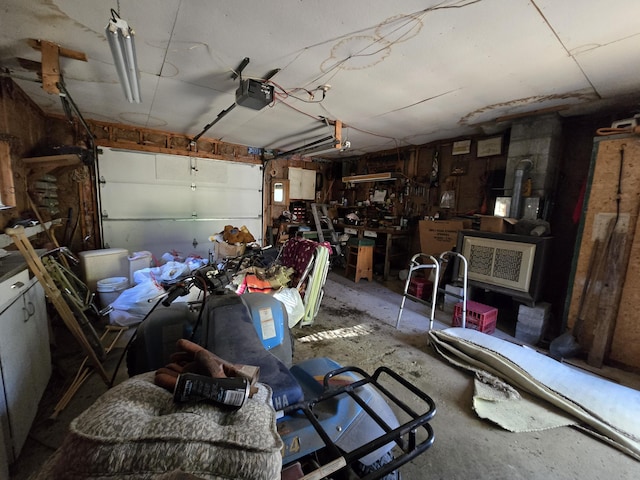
[505, 263]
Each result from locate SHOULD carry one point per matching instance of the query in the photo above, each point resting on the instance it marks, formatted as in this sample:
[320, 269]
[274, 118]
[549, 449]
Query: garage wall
[163, 203]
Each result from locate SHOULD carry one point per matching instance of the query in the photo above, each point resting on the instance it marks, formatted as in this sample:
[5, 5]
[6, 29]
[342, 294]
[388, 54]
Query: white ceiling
[401, 73]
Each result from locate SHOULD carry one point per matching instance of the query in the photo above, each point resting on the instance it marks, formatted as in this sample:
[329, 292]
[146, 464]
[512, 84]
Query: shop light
[333, 148]
[123, 49]
[372, 177]
[319, 144]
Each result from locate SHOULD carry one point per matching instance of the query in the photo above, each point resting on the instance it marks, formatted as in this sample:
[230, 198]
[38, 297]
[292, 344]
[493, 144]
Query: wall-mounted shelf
[45, 164]
[6, 240]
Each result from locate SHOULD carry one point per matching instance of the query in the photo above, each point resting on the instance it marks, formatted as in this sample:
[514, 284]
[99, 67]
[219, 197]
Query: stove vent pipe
[522, 168]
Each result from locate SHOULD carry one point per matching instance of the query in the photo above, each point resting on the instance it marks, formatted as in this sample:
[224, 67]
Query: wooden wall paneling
[23, 126]
[471, 186]
[7, 188]
[424, 163]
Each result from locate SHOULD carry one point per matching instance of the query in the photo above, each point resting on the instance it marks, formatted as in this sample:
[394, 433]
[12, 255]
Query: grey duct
[522, 168]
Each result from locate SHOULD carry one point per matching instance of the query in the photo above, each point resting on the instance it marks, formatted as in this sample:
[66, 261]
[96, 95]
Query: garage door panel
[173, 168]
[232, 174]
[214, 202]
[168, 201]
[127, 200]
[121, 166]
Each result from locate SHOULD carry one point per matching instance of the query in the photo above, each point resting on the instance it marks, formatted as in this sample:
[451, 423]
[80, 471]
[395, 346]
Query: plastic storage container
[420, 288]
[138, 261]
[104, 263]
[479, 317]
[109, 289]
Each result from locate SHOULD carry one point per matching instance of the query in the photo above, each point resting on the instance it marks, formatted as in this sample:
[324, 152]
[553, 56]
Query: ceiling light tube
[371, 177]
[335, 148]
[123, 49]
[310, 146]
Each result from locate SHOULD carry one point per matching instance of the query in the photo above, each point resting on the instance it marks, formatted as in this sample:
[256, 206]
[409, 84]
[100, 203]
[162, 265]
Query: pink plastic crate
[420, 288]
[479, 316]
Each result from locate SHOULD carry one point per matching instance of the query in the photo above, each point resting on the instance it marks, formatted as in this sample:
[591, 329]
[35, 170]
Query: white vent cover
[499, 262]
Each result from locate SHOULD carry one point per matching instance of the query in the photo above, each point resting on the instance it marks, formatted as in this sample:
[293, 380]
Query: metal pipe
[522, 167]
[414, 266]
[465, 274]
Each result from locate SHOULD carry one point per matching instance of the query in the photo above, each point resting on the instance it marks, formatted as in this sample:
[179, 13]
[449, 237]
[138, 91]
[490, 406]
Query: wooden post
[7, 189]
[51, 72]
[50, 67]
[618, 262]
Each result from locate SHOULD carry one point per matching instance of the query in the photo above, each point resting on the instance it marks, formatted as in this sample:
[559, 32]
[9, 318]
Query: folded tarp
[603, 408]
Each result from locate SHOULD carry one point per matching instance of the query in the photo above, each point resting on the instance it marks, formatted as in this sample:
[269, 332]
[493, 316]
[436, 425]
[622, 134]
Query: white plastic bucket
[109, 289]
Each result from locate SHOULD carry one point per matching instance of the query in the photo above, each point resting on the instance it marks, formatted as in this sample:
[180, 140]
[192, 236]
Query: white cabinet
[25, 359]
[302, 184]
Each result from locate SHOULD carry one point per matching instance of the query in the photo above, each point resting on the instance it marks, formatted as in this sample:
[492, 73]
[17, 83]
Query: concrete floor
[356, 326]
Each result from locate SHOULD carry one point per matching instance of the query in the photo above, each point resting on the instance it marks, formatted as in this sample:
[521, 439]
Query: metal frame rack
[404, 436]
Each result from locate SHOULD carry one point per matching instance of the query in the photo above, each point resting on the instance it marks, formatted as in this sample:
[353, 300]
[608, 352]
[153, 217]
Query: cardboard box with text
[437, 236]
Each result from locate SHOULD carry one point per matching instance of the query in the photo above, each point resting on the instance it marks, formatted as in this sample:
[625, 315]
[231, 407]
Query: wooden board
[599, 208]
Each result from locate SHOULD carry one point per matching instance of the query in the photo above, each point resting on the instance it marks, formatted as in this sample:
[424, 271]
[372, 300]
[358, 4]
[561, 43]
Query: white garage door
[163, 203]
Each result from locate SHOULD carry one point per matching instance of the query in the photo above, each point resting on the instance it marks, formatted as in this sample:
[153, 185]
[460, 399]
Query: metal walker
[415, 266]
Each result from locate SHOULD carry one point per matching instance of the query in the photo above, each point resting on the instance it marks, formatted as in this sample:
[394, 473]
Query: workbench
[386, 249]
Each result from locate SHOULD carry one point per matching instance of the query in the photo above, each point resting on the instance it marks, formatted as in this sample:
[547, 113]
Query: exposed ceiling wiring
[412, 17]
[283, 93]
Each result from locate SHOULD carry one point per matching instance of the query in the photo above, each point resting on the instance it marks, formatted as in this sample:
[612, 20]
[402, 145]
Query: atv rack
[405, 435]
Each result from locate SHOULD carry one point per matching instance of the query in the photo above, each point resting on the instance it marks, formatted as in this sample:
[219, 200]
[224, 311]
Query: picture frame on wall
[489, 147]
[461, 147]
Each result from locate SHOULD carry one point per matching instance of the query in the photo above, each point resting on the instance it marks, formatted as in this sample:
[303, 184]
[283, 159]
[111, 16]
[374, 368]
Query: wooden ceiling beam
[51, 53]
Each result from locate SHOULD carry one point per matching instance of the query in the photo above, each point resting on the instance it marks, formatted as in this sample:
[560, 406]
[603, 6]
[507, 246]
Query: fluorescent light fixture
[335, 147]
[371, 177]
[318, 148]
[315, 145]
[123, 49]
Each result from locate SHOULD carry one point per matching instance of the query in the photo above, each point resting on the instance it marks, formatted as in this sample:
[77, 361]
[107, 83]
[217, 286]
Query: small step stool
[360, 259]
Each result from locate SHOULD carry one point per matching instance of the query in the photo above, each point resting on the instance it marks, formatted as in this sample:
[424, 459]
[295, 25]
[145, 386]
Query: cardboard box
[224, 250]
[489, 223]
[437, 236]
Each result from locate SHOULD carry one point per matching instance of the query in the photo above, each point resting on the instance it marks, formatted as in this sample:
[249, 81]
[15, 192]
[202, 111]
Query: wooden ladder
[55, 296]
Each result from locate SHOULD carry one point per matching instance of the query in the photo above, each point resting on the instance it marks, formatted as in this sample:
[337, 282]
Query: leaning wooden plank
[55, 296]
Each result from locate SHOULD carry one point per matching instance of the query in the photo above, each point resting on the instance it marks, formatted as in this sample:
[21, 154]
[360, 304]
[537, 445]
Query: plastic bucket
[109, 289]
